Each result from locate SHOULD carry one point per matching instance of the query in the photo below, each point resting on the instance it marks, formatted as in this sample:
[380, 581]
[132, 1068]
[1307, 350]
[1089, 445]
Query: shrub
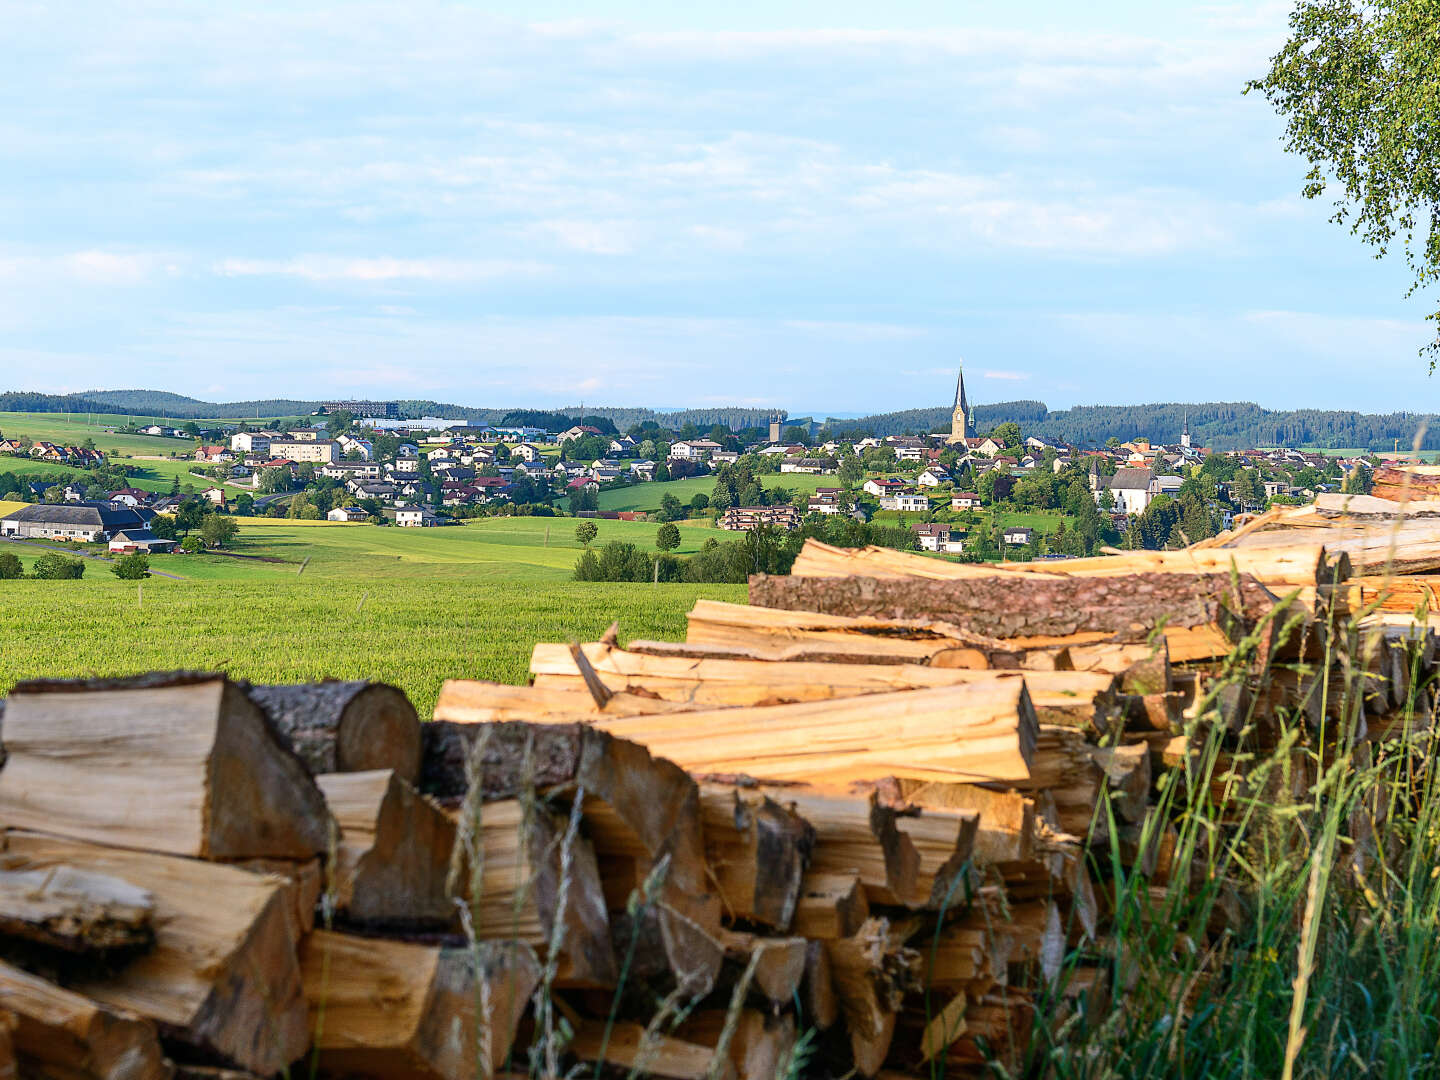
[10, 567]
[667, 537]
[131, 567]
[54, 567]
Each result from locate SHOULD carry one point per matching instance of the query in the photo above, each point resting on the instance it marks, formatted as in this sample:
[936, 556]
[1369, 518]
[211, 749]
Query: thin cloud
[322, 268]
[1006, 376]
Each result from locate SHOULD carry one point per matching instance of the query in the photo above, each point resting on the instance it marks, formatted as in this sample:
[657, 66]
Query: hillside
[1221, 425]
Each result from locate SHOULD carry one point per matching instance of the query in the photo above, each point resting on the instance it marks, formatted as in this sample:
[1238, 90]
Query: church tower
[961, 419]
[1185, 435]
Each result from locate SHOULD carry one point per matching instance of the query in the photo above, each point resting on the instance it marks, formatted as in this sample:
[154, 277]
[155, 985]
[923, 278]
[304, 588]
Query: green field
[130, 450]
[648, 496]
[410, 606]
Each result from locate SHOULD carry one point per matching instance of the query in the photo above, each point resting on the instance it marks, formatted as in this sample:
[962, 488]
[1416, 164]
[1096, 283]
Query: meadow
[648, 496]
[147, 454]
[308, 600]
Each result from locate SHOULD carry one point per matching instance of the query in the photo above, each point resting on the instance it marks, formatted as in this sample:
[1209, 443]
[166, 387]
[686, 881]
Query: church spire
[961, 421]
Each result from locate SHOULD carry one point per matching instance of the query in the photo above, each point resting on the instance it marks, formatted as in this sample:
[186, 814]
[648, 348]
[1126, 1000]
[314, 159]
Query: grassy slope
[120, 449]
[411, 606]
[648, 496]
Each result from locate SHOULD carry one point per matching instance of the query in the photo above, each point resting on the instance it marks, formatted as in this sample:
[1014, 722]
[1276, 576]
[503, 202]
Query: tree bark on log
[181, 764]
[758, 851]
[339, 727]
[1023, 606]
[76, 910]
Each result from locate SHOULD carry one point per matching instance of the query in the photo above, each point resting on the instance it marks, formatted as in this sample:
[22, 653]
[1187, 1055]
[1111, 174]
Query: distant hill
[1221, 425]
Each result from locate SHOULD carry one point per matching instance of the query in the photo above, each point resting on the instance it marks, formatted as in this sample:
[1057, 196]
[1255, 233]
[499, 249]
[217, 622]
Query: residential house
[407, 459]
[582, 483]
[743, 518]
[964, 500]
[693, 449]
[250, 442]
[529, 452]
[906, 502]
[532, 469]
[986, 446]
[214, 495]
[214, 455]
[352, 514]
[364, 449]
[578, 431]
[1018, 536]
[938, 537]
[351, 470]
[306, 434]
[808, 466]
[417, 517]
[882, 487]
[724, 457]
[1130, 488]
[622, 445]
[933, 477]
[643, 470]
[607, 474]
[825, 501]
[131, 497]
[154, 429]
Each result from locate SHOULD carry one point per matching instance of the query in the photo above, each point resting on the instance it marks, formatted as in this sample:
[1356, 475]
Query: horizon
[764, 204]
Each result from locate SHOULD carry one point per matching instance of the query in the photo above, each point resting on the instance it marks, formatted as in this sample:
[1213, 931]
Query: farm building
[130, 540]
[90, 522]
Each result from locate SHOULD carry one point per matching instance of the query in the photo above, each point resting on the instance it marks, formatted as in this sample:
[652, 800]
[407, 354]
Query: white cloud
[381, 269]
[1006, 376]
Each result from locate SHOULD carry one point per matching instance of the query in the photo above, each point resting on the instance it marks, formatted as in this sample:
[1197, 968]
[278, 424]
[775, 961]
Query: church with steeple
[962, 419]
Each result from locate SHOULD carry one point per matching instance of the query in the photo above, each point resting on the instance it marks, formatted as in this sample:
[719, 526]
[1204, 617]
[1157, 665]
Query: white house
[693, 449]
[362, 448]
[938, 537]
[527, 452]
[906, 503]
[214, 495]
[934, 476]
[250, 442]
[1130, 488]
[965, 500]
[1017, 536]
[348, 513]
[883, 487]
[416, 517]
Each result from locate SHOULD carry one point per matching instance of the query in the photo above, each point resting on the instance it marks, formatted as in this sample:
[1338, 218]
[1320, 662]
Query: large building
[88, 522]
[388, 410]
[962, 420]
[740, 518]
[314, 450]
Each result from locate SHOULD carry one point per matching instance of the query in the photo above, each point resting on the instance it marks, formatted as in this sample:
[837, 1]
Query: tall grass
[1297, 933]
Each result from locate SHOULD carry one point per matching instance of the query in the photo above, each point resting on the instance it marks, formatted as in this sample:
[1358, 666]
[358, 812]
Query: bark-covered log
[339, 727]
[180, 763]
[1025, 606]
[758, 851]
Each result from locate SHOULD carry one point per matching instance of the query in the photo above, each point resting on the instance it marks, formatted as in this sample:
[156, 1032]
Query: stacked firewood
[861, 824]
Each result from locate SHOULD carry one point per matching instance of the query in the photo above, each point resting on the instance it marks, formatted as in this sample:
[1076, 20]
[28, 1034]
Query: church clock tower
[961, 420]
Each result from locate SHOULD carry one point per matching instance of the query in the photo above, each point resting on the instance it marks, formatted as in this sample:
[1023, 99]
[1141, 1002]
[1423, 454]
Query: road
[83, 555]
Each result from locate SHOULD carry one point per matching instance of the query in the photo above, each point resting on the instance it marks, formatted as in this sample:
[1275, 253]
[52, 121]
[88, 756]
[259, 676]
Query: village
[962, 493]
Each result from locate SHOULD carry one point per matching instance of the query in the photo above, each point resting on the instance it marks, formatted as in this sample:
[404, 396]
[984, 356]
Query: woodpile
[862, 825]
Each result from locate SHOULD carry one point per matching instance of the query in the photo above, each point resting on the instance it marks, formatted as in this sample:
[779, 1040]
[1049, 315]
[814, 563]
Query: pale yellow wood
[223, 972]
[189, 769]
[661, 1055]
[467, 701]
[392, 1009]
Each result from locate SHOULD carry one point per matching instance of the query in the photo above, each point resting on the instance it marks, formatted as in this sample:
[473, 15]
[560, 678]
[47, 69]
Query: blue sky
[821, 206]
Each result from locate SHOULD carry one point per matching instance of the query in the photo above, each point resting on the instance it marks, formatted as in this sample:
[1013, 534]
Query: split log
[223, 975]
[518, 895]
[757, 851]
[634, 802]
[181, 764]
[1079, 699]
[871, 975]
[832, 905]
[304, 882]
[759, 633]
[394, 853]
[903, 855]
[391, 1009]
[822, 1006]
[1017, 606]
[1064, 767]
[74, 909]
[46, 1031]
[976, 732]
[62, 1034]
[758, 1045]
[660, 1055]
[1007, 818]
[779, 967]
[339, 727]
[471, 701]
